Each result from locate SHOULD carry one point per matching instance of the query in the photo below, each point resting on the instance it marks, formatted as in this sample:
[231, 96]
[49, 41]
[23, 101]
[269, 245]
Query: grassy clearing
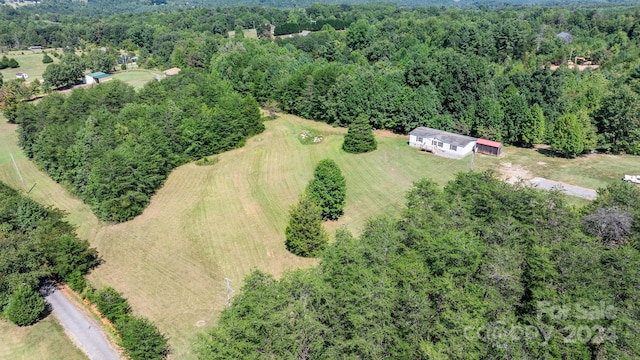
[30, 62]
[45, 340]
[214, 222]
[135, 78]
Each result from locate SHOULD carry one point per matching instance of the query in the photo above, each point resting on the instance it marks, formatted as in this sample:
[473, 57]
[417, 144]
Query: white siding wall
[445, 149]
[89, 80]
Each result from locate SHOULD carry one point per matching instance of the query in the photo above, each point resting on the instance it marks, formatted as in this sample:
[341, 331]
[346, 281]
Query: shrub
[141, 339]
[25, 306]
[111, 304]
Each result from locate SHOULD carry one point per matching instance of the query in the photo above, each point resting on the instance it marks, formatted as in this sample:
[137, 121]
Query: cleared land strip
[572, 190]
[83, 331]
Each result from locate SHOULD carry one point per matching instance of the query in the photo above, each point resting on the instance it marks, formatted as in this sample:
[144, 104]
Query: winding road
[85, 332]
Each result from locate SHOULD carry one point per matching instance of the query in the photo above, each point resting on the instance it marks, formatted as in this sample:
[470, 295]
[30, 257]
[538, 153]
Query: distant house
[172, 71]
[441, 142]
[565, 37]
[35, 47]
[96, 78]
[489, 147]
[22, 75]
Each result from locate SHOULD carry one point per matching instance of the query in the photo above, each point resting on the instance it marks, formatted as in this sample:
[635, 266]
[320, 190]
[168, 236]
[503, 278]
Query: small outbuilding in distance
[489, 147]
[96, 78]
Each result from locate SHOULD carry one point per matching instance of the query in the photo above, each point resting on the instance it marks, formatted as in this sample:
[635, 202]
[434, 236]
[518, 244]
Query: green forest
[508, 75]
[114, 147]
[36, 244]
[478, 270]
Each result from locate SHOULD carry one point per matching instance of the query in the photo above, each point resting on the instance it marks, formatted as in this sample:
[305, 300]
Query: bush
[141, 339]
[25, 306]
[46, 59]
[111, 304]
[359, 138]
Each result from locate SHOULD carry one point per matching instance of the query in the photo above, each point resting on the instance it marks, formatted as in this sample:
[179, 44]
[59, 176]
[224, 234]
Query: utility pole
[229, 291]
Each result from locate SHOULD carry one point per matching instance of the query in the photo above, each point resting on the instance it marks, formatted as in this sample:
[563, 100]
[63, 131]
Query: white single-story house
[22, 75]
[441, 142]
[96, 78]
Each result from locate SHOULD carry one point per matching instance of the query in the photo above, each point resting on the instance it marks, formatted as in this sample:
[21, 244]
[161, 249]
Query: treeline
[36, 244]
[484, 73]
[480, 74]
[480, 269]
[114, 147]
[292, 28]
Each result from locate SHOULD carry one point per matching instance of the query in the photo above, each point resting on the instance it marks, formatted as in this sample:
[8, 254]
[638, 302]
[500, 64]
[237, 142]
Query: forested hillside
[114, 148]
[498, 74]
[481, 269]
[107, 7]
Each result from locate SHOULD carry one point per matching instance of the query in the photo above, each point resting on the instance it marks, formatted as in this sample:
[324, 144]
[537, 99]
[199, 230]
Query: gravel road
[83, 331]
[573, 190]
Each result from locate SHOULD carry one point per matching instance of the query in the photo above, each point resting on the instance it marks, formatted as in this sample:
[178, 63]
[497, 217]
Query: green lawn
[208, 223]
[30, 63]
[136, 78]
[45, 340]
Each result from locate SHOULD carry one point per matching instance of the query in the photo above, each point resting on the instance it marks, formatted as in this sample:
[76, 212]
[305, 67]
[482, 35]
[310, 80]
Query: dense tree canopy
[115, 147]
[35, 244]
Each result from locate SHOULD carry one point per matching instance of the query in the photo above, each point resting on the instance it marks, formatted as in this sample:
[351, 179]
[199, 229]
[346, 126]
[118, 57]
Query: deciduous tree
[328, 189]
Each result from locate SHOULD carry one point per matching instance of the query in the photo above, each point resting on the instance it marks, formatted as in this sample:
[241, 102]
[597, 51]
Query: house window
[453, 147]
[419, 139]
[440, 144]
[434, 142]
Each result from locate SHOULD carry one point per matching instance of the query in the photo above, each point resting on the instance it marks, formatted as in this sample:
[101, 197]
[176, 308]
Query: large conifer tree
[305, 235]
[359, 138]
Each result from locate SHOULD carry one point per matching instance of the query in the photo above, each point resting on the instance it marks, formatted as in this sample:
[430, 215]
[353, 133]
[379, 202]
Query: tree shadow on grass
[550, 153]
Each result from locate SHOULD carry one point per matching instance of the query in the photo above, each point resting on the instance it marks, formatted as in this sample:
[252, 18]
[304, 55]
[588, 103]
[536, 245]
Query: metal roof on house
[98, 75]
[486, 142]
[446, 137]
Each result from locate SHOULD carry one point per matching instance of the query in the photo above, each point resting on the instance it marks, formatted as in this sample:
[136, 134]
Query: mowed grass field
[30, 62]
[208, 223]
[136, 78]
[45, 340]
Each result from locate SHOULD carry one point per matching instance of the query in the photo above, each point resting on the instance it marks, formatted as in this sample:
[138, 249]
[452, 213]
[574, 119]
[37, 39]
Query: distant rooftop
[172, 71]
[98, 75]
[447, 137]
[565, 36]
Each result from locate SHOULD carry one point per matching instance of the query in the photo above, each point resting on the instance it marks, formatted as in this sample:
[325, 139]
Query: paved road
[573, 190]
[83, 330]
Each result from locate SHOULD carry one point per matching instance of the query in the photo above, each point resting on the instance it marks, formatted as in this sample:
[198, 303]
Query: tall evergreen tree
[533, 126]
[305, 235]
[328, 189]
[359, 137]
[567, 137]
